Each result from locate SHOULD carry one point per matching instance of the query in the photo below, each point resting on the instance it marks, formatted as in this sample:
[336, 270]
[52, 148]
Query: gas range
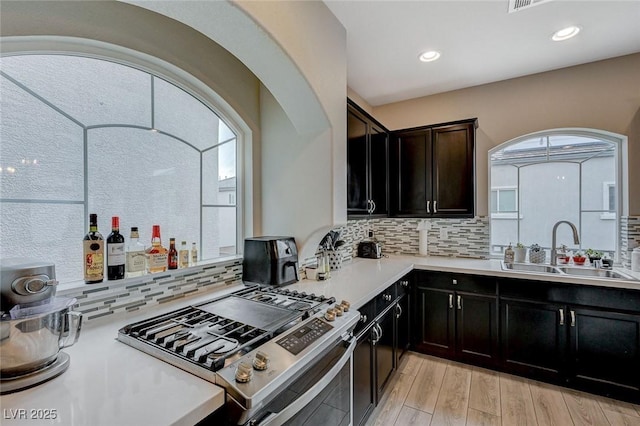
[206, 337]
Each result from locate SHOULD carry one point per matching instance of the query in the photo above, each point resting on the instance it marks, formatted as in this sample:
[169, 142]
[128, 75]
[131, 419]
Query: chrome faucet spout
[576, 239]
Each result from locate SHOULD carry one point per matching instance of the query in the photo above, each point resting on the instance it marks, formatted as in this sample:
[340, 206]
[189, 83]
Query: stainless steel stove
[252, 342]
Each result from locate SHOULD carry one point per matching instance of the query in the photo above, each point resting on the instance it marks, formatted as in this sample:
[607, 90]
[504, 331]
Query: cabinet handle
[459, 302]
[376, 336]
[573, 318]
[373, 206]
[451, 301]
[435, 209]
[398, 311]
[363, 318]
[369, 206]
[428, 204]
[561, 316]
[455, 282]
[404, 283]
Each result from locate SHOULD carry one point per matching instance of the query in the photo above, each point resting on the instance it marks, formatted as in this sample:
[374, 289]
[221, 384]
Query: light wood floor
[431, 391]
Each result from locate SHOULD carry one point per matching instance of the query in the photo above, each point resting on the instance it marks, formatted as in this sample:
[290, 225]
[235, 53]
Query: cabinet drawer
[367, 315]
[385, 299]
[456, 282]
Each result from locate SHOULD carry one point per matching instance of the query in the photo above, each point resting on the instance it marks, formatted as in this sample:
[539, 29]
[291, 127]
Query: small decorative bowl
[579, 260]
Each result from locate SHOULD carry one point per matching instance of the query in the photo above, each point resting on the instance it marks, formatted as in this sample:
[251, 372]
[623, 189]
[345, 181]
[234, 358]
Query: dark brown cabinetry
[584, 336]
[456, 317]
[432, 170]
[383, 336]
[367, 154]
[533, 338]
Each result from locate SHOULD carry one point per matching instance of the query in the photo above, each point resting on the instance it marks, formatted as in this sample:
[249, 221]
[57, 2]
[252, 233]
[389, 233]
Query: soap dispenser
[509, 254]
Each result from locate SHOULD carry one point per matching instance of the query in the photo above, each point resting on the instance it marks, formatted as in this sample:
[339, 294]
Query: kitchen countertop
[111, 383]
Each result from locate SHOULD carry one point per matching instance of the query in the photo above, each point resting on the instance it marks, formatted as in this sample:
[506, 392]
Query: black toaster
[369, 250]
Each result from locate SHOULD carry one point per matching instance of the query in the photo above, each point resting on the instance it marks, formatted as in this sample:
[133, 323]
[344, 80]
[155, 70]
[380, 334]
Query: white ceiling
[480, 42]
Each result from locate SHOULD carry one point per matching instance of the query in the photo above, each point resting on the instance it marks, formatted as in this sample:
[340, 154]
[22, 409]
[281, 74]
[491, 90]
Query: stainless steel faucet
[576, 239]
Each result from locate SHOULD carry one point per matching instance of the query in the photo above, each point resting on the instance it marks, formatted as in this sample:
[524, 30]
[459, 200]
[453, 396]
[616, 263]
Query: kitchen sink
[567, 270]
[593, 272]
[530, 267]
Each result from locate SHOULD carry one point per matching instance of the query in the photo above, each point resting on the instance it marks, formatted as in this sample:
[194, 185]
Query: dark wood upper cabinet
[367, 153]
[432, 170]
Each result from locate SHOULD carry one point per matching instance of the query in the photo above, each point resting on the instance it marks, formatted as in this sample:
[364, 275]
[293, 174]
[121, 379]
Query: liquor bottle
[116, 257]
[156, 254]
[173, 254]
[136, 258]
[183, 255]
[93, 250]
[194, 254]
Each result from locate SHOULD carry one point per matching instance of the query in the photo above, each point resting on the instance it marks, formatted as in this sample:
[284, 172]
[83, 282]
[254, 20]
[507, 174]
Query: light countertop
[110, 383]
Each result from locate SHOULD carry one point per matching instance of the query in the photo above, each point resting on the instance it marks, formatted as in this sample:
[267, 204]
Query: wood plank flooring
[432, 391]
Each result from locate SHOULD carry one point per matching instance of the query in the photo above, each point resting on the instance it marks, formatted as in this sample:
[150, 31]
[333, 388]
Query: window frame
[73, 46]
[621, 173]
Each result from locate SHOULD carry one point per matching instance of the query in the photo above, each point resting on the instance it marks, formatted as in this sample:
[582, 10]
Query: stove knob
[330, 315]
[261, 361]
[339, 310]
[345, 305]
[244, 372]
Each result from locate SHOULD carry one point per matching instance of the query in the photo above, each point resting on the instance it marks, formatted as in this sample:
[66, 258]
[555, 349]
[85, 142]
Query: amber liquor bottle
[173, 254]
[93, 250]
[116, 257]
[156, 254]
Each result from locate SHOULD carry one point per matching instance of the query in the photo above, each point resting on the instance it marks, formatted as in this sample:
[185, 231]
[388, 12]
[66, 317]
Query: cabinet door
[403, 326]
[363, 385]
[435, 317]
[378, 173]
[534, 338]
[477, 328]
[411, 156]
[453, 171]
[604, 349]
[357, 164]
[385, 357]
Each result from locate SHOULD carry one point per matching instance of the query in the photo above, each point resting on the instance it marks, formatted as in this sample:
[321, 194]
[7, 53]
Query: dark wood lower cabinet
[385, 351]
[585, 337]
[403, 326]
[533, 338]
[604, 350]
[363, 384]
[457, 324]
[477, 328]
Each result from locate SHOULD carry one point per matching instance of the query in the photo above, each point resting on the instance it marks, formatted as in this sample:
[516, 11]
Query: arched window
[85, 135]
[539, 179]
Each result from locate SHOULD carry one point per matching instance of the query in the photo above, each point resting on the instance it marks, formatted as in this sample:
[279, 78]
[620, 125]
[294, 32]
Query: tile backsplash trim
[99, 300]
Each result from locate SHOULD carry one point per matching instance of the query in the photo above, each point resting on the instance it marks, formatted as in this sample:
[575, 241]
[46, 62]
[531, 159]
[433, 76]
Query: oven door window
[321, 396]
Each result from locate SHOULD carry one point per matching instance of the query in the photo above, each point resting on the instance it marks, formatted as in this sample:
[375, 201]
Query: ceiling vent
[517, 5]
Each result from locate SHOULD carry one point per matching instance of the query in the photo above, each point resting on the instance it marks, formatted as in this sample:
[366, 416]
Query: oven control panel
[304, 336]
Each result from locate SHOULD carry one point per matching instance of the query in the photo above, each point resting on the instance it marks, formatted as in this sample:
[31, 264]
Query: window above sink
[562, 174]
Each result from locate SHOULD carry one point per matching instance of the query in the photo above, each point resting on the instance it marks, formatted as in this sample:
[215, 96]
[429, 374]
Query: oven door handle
[297, 405]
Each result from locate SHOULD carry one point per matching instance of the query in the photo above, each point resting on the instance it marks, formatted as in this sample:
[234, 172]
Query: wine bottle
[136, 258]
[93, 250]
[183, 255]
[173, 254]
[156, 254]
[116, 257]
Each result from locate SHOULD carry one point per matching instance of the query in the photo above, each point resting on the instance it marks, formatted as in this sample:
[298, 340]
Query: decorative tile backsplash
[629, 238]
[99, 300]
[446, 237]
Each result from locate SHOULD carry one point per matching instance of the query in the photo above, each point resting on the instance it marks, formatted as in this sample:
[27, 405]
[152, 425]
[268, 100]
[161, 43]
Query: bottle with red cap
[157, 255]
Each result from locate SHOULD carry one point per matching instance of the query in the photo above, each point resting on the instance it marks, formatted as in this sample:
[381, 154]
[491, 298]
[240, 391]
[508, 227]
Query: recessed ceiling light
[566, 33]
[429, 56]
